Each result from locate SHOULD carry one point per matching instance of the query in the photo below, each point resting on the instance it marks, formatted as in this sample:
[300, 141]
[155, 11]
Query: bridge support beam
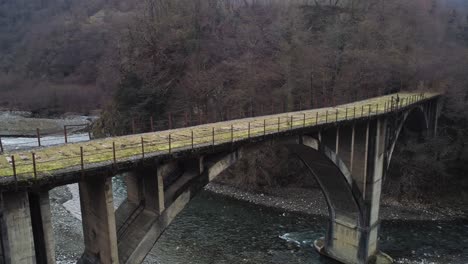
[433, 111]
[16, 230]
[352, 236]
[98, 219]
[140, 228]
[42, 227]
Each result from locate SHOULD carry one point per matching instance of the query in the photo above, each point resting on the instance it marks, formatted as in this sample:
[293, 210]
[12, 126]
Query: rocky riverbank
[312, 201]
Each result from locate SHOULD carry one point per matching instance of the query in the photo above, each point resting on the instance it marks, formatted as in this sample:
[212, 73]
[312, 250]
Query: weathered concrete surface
[98, 218]
[353, 197]
[161, 207]
[16, 229]
[42, 227]
[144, 204]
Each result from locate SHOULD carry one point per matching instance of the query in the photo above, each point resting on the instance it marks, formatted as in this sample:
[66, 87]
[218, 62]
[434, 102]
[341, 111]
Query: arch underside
[415, 119]
[330, 172]
[342, 204]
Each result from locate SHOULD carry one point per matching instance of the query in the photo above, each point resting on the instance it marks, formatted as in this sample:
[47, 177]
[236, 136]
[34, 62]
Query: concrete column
[146, 186]
[329, 138]
[134, 187]
[153, 189]
[42, 227]
[16, 229]
[351, 158]
[359, 160]
[373, 187]
[433, 112]
[98, 219]
[355, 237]
[337, 140]
[344, 145]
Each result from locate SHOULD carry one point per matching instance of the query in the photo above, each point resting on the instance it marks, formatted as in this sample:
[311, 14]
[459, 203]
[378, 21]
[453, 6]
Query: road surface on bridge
[46, 162]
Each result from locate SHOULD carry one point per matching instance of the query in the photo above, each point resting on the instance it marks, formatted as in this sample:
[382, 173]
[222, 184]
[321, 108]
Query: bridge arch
[344, 201]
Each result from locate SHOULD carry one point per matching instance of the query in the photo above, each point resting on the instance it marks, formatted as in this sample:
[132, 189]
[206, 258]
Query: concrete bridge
[347, 148]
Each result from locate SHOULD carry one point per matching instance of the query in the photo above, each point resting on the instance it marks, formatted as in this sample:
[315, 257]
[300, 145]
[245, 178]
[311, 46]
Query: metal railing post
[304, 123]
[65, 134]
[192, 138]
[336, 116]
[249, 131]
[34, 164]
[346, 114]
[316, 118]
[113, 152]
[1, 145]
[213, 133]
[232, 133]
[38, 133]
[142, 148]
[14, 168]
[279, 120]
[326, 118]
[170, 143]
[82, 158]
[264, 127]
[292, 120]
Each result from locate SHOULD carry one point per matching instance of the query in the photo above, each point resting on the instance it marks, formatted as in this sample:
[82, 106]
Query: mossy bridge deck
[68, 162]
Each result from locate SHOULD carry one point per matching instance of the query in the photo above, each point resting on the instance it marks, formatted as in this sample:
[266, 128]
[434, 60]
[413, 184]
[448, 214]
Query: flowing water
[218, 230]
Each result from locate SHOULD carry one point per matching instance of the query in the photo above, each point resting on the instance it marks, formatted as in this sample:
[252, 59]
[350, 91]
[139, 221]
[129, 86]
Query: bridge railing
[176, 119]
[30, 166]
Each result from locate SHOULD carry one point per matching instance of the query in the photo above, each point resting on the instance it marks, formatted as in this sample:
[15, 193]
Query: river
[214, 229]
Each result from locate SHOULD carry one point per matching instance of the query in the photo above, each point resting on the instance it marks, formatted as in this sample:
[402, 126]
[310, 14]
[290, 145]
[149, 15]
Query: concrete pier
[16, 229]
[98, 219]
[42, 227]
[353, 196]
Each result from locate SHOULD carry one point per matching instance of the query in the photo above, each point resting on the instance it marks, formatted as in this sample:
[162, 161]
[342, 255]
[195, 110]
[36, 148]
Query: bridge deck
[51, 160]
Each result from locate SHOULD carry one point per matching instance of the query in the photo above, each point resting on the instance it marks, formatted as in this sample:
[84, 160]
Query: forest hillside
[215, 59]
